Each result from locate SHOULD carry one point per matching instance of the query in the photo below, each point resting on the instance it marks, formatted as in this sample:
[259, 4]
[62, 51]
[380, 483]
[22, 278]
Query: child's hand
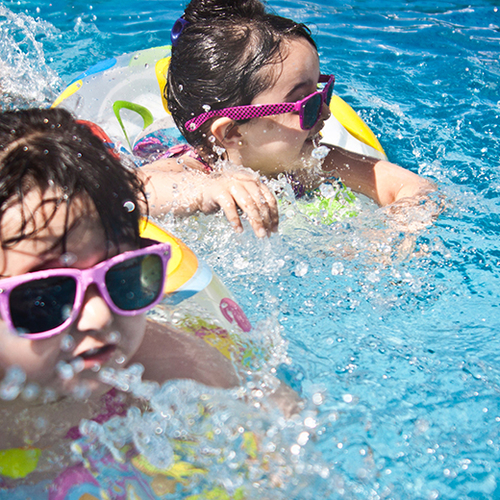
[240, 190]
[183, 191]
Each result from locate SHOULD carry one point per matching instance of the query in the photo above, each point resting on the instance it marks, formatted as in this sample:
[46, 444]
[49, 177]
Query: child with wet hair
[76, 280]
[245, 86]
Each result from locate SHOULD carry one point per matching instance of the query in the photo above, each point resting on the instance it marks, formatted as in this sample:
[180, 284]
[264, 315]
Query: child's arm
[380, 180]
[184, 189]
[169, 353]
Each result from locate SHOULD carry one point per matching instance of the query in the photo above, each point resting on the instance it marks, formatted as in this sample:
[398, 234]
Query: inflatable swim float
[124, 96]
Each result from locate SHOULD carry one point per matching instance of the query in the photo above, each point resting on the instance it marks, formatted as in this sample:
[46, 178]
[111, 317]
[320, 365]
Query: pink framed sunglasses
[44, 303]
[309, 108]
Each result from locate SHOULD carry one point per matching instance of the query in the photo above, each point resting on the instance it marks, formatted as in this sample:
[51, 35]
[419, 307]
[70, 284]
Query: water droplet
[120, 360]
[30, 392]
[64, 370]
[114, 337]
[12, 383]
[318, 398]
[320, 152]
[337, 268]
[78, 365]
[68, 259]
[49, 395]
[67, 343]
[82, 390]
[219, 151]
[129, 206]
[303, 438]
[301, 269]
[310, 422]
[347, 398]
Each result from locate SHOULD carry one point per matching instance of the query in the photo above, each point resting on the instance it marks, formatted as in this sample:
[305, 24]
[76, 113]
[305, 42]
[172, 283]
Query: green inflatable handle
[145, 114]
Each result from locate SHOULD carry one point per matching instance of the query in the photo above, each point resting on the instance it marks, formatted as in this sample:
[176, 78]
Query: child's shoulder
[170, 353]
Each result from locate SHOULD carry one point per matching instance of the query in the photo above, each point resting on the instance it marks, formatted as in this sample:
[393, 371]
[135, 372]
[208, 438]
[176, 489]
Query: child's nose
[95, 313]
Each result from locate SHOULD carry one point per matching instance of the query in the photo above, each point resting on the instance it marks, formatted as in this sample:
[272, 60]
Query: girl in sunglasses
[246, 85]
[75, 282]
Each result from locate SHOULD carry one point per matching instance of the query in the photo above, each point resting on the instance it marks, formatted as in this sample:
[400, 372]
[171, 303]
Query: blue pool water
[393, 335]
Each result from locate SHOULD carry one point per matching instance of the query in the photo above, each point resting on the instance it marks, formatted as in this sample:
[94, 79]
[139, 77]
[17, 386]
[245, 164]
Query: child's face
[277, 143]
[98, 337]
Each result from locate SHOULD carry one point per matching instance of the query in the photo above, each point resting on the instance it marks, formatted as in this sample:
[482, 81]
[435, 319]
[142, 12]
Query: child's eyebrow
[304, 85]
[67, 231]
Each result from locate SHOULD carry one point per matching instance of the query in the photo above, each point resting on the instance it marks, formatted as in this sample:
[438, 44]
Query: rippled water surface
[393, 335]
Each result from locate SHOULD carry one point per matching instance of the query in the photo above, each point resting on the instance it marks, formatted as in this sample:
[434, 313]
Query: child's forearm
[380, 180]
[173, 191]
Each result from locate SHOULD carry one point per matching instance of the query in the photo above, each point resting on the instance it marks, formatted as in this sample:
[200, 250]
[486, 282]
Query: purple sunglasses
[44, 303]
[309, 108]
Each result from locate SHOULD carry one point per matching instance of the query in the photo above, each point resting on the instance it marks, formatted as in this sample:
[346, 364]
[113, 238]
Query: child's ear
[226, 131]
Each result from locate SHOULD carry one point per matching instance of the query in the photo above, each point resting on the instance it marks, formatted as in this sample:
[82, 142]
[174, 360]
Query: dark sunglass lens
[311, 111]
[329, 94]
[41, 305]
[135, 283]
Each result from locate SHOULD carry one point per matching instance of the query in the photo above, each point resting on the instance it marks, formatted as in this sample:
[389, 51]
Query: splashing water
[392, 333]
[25, 78]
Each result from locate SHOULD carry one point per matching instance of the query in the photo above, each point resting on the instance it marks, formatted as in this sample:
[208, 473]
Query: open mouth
[98, 355]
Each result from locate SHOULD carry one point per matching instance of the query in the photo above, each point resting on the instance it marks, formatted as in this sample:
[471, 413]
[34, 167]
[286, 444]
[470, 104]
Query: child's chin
[83, 388]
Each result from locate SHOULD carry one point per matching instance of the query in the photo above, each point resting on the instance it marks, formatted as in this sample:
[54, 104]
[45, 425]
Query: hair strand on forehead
[47, 150]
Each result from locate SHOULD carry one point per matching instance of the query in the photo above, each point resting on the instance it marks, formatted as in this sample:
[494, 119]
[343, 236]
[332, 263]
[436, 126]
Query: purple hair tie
[177, 30]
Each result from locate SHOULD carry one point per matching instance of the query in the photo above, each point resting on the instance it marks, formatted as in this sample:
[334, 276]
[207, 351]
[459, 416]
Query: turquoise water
[393, 336]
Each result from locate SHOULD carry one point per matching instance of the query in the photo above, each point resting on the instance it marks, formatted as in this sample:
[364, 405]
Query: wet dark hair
[219, 57]
[45, 149]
